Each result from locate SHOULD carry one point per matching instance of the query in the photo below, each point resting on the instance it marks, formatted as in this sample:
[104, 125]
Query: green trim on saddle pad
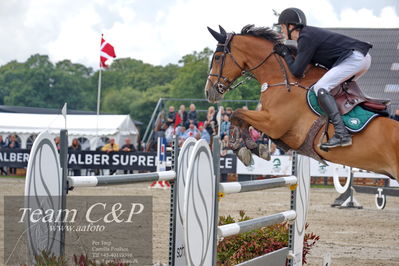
[356, 120]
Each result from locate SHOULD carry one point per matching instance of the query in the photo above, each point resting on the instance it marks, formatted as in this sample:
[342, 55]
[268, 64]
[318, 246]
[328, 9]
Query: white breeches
[355, 65]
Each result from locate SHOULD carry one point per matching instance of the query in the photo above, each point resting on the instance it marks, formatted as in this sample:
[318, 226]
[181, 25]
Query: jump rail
[246, 186]
[256, 223]
[109, 180]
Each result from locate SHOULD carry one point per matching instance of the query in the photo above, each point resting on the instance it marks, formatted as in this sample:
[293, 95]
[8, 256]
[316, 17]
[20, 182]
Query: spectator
[225, 146]
[180, 131]
[180, 134]
[224, 150]
[75, 146]
[204, 134]
[274, 150]
[225, 126]
[395, 115]
[245, 107]
[229, 111]
[182, 115]
[57, 141]
[169, 132]
[255, 135]
[111, 146]
[192, 116]
[210, 122]
[2, 145]
[171, 118]
[2, 142]
[192, 131]
[13, 144]
[221, 110]
[128, 147]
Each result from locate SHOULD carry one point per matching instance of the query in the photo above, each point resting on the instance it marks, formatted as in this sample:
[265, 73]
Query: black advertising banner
[112, 160]
[228, 164]
[142, 161]
[17, 158]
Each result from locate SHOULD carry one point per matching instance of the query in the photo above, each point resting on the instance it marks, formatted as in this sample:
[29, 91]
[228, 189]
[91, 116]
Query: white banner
[278, 165]
[319, 169]
[282, 165]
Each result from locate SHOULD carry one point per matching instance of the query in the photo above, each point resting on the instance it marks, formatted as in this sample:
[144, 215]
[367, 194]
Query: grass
[321, 186]
[12, 176]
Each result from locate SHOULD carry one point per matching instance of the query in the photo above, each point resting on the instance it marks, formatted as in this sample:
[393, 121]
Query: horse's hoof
[250, 143]
[245, 156]
[264, 152]
[235, 145]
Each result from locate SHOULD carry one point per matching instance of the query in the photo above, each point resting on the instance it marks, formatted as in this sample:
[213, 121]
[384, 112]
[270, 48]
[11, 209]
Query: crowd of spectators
[187, 124]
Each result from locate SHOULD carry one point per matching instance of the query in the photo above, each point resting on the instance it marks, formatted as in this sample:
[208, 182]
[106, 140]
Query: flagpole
[99, 92]
[98, 95]
[98, 103]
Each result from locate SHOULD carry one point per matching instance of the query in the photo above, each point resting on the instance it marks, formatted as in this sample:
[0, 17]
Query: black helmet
[292, 16]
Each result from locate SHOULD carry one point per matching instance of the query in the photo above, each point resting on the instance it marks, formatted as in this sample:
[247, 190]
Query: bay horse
[285, 115]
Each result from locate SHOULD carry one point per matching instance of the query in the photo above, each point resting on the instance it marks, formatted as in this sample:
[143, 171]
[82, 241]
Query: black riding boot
[341, 136]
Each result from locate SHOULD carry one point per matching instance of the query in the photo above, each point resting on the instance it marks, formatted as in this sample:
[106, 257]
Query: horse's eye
[217, 57]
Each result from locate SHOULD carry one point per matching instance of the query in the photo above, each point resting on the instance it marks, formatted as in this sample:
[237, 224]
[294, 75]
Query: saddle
[348, 95]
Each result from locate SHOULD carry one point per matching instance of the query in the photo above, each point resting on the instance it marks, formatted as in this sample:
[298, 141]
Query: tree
[191, 78]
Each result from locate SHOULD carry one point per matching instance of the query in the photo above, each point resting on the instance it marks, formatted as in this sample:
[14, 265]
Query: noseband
[225, 48]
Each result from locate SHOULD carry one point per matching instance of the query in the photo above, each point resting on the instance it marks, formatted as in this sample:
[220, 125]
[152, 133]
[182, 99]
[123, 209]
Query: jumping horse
[285, 115]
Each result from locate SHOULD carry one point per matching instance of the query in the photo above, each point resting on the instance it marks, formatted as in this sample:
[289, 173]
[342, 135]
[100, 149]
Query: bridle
[225, 48]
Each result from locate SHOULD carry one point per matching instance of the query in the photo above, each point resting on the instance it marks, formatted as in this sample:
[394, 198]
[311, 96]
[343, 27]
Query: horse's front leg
[242, 143]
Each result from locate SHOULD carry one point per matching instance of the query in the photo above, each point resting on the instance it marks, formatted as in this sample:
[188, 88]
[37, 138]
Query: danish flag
[106, 52]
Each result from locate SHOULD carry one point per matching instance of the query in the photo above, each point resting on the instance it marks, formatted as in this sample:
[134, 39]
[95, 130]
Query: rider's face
[284, 31]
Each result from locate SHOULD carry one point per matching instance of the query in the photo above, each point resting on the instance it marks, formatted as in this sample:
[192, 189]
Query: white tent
[87, 126]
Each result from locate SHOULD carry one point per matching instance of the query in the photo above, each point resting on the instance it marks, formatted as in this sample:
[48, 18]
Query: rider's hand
[281, 49]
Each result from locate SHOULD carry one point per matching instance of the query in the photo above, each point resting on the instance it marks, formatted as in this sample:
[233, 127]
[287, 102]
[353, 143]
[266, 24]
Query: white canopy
[88, 126]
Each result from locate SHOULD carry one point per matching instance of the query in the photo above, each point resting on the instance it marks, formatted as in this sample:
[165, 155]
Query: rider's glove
[281, 49]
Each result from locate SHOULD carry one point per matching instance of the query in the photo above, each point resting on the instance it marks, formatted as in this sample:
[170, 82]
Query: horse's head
[226, 67]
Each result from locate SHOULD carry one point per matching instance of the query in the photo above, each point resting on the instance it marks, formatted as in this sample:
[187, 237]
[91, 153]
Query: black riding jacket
[320, 46]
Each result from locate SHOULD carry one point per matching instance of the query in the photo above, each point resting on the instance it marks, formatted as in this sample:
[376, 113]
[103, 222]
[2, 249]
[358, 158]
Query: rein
[221, 88]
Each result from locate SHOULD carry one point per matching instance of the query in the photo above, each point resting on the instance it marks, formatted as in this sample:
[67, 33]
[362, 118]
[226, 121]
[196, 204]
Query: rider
[345, 58]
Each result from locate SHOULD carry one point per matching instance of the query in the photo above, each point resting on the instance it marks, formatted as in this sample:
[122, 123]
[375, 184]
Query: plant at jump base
[45, 258]
[51, 260]
[239, 248]
[84, 260]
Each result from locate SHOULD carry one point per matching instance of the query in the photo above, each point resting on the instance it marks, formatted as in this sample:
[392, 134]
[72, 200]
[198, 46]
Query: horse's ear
[222, 31]
[219, 37]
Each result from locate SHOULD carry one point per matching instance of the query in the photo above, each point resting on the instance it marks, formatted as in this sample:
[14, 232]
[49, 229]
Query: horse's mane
[262, 32]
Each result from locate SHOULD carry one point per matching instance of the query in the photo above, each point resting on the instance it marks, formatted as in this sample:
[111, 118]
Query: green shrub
[239, 248]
